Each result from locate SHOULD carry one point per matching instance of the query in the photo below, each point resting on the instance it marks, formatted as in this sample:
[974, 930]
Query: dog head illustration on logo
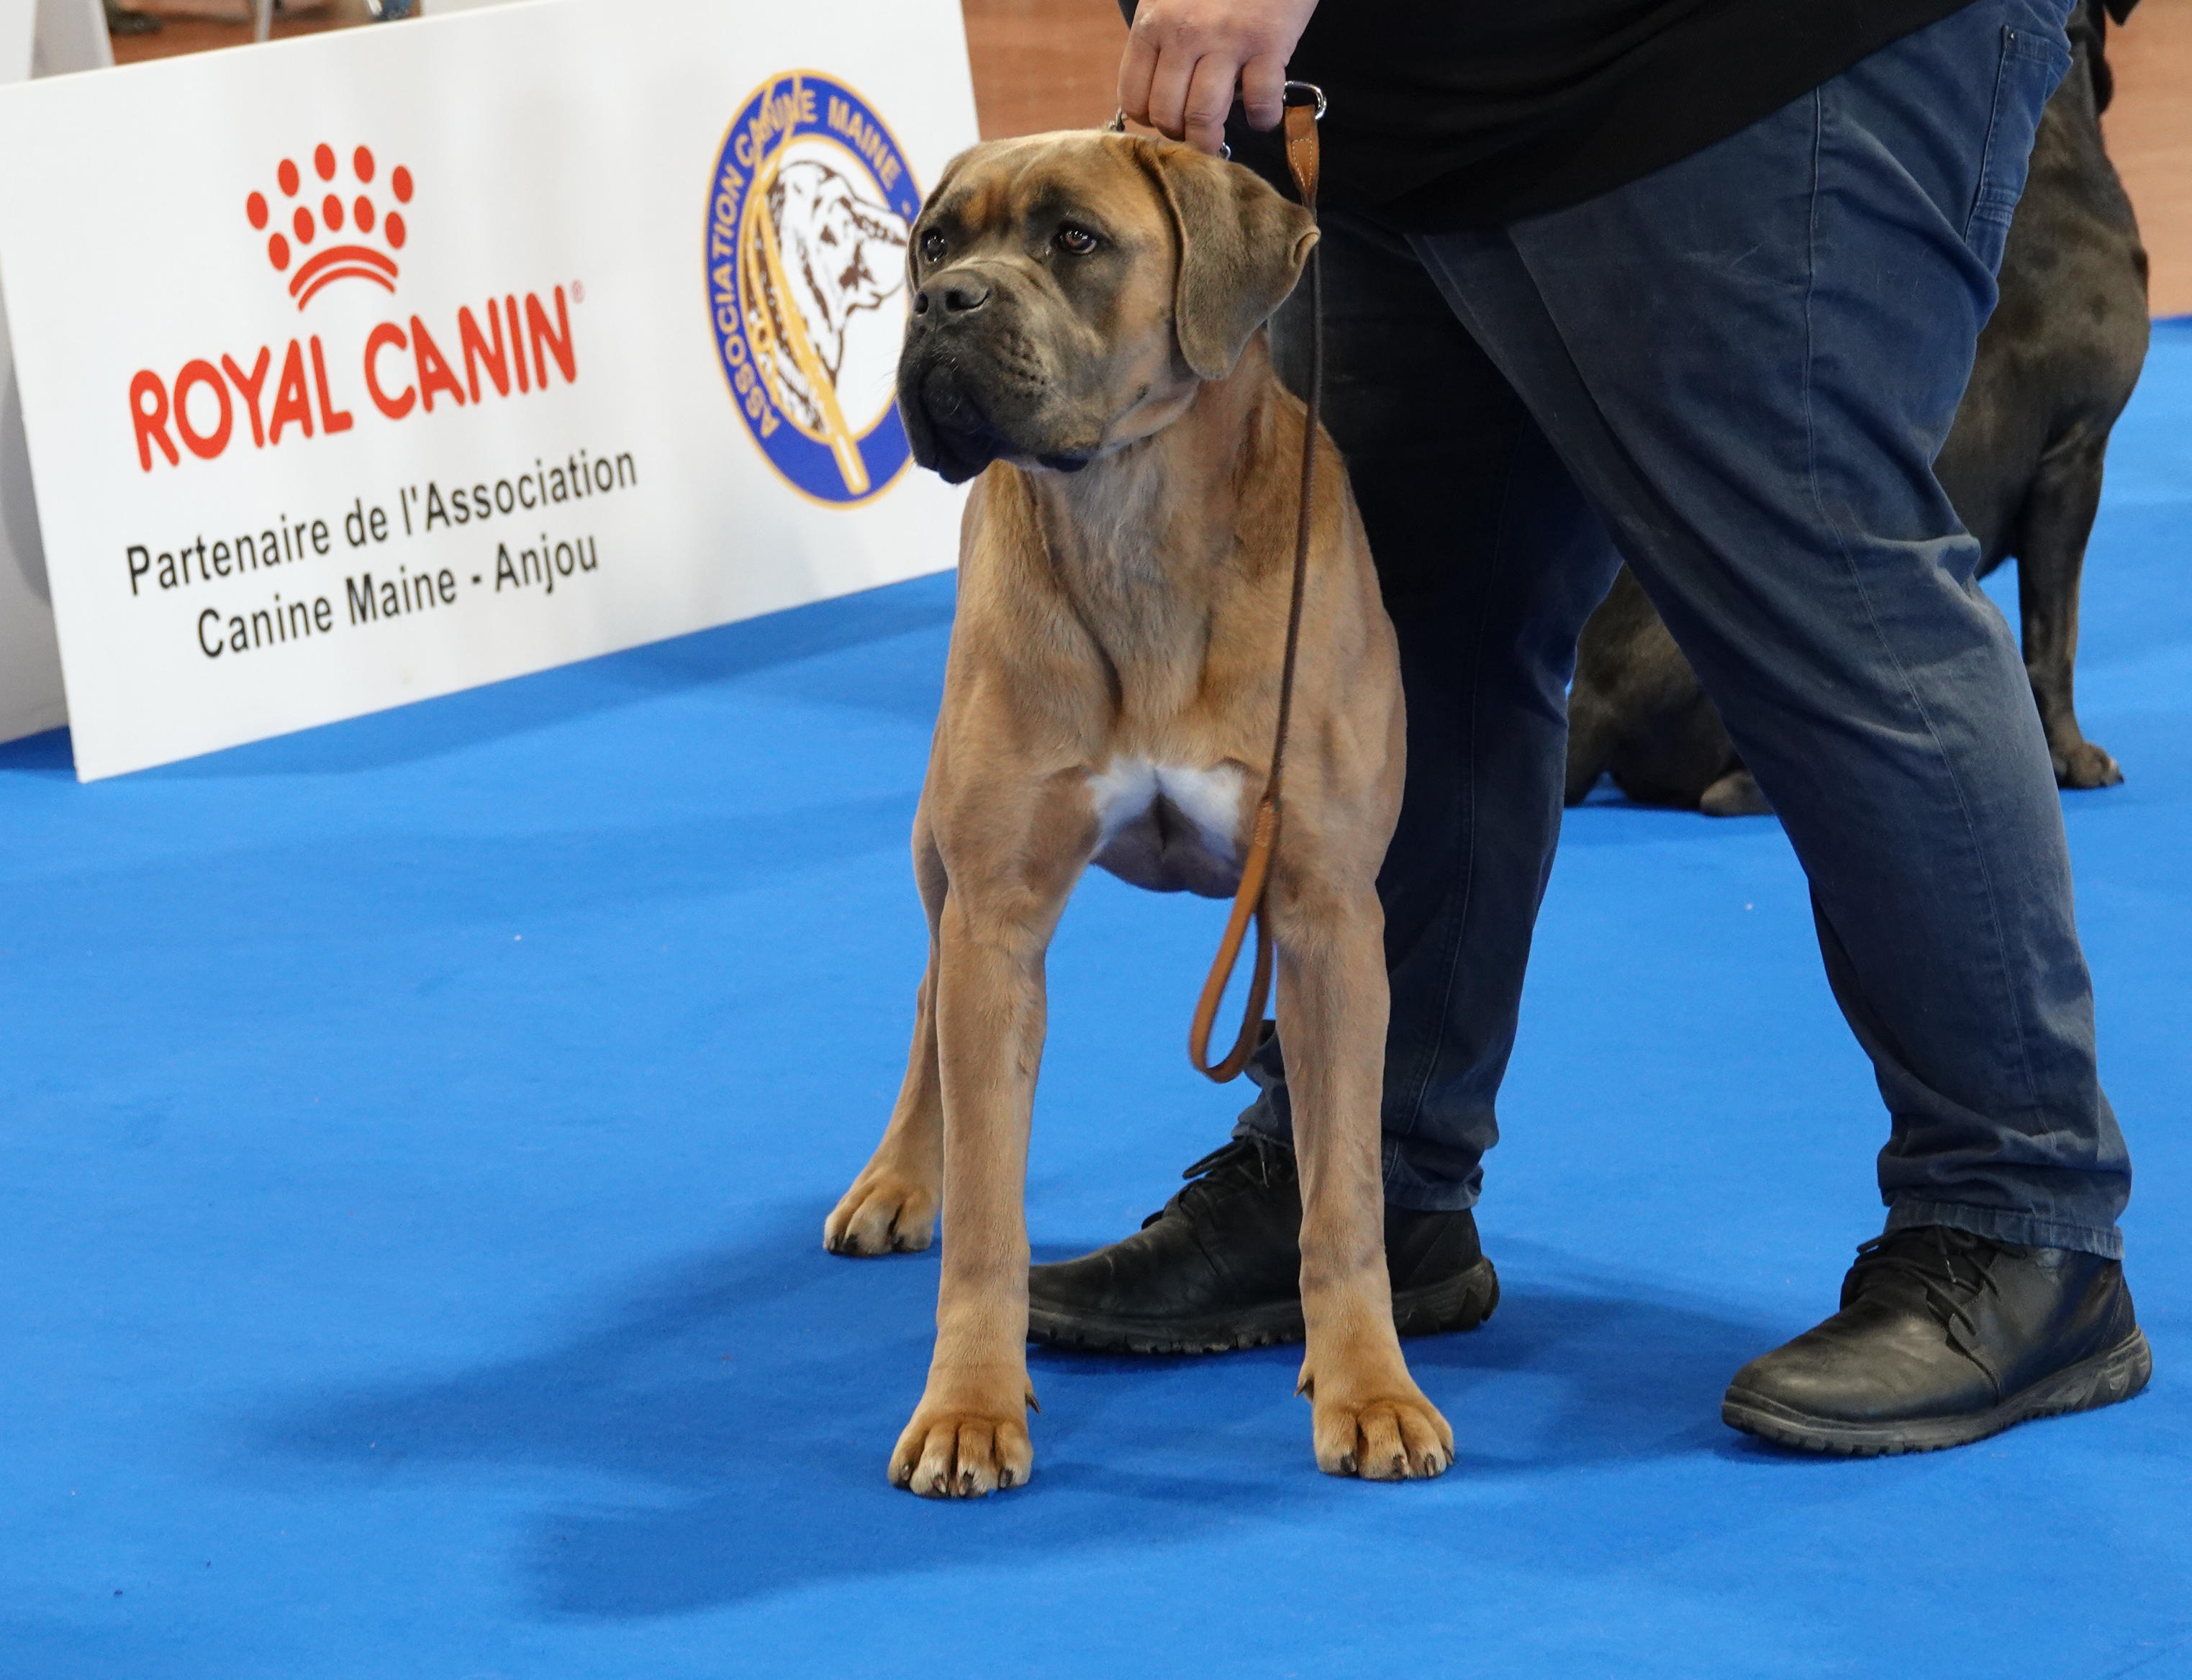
[809, 214]
[839, 254]
[351, 260]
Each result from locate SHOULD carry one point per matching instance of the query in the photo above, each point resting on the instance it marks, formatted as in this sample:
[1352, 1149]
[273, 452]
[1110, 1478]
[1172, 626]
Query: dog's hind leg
[1609, 646]
[1370, 1419]
[893, 1203]
[2056, 520]
[1593, 736]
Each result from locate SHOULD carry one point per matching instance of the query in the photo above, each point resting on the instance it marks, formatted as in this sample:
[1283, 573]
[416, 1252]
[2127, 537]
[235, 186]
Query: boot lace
[1251, 1158]
[1952, 1269]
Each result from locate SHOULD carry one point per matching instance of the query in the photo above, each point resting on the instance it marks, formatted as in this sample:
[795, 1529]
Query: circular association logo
[807, 220]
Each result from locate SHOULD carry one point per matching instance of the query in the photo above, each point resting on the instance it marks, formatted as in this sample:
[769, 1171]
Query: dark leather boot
[1943, 1338]
[1218, 1266]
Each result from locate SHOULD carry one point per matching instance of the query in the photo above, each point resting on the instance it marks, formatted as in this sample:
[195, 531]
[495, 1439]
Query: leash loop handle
[1305, 105]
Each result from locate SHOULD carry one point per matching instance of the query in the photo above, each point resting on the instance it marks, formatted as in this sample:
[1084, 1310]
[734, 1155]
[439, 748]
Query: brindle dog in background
[1086, 344]
[2055, 365]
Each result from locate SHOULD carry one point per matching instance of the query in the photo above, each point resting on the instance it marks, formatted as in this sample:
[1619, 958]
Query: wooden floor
[2149, 134]
[188, 33]
[1051, 64]
[1043, 64]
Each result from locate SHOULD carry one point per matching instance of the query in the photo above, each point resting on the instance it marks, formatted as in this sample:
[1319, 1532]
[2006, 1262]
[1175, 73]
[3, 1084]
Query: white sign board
[71, 36]
[17, 18]
[68, 35]
[374, 365]
[30, 661]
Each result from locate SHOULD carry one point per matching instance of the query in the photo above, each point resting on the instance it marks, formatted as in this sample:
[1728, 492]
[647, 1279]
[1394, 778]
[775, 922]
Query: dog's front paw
[887, 1209]
[1393, 1436]
[2085, 766]
[967, 1446]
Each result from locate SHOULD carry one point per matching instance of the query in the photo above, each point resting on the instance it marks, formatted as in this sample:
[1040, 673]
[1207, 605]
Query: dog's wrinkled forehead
[1091, 247]
[1022, 191]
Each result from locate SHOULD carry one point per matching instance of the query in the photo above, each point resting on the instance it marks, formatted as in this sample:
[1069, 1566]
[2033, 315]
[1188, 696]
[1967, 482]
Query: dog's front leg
[1370, 1419]
[968, 1435]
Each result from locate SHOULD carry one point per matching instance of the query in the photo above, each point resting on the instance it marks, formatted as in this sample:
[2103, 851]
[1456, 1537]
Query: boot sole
[2101, 1380]
[1460, 1302]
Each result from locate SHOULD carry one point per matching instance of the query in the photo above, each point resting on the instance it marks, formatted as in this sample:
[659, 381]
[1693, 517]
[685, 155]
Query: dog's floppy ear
[1241, 248]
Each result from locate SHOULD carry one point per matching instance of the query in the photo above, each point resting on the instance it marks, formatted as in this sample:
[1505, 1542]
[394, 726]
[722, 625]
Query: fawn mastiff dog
[1086, 343]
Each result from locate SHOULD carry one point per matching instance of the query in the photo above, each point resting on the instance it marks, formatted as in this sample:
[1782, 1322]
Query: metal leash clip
[1295, 92]
[1117, 125]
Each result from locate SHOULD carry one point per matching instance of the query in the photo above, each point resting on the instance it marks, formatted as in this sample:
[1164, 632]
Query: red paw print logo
[306, 222]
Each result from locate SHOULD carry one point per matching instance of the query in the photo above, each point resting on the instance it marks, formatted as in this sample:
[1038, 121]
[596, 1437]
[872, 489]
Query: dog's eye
[932, 246]
[1077, 240]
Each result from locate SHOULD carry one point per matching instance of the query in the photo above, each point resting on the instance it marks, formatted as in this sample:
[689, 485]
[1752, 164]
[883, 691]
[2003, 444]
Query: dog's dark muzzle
[951, 433]
[972, 385]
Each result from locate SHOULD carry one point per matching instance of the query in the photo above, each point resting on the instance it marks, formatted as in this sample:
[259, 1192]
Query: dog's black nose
[959, 296]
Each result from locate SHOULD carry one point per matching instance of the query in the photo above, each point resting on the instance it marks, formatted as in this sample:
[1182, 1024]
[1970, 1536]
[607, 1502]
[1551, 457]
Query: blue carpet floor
[414, 1139]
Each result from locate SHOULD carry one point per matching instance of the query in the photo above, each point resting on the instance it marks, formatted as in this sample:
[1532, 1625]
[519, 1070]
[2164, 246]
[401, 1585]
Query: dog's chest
[1170, 828]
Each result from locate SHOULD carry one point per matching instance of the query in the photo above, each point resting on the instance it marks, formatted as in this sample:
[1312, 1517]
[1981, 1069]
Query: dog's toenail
[1347, 1464]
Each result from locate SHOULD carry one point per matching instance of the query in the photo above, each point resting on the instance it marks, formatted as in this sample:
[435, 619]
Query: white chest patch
[1127, 789]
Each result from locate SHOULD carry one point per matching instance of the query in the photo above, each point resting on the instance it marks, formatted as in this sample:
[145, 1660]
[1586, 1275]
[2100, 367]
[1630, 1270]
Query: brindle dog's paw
[956, 1452]
[885, 1210]
[2085, 766]
[1390, 1438]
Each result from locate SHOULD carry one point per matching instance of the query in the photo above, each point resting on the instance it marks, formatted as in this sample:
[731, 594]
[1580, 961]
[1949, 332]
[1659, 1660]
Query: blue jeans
[1736, 373]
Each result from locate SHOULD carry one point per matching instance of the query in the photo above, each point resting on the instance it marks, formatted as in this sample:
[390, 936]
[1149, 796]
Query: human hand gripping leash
[1305, 105]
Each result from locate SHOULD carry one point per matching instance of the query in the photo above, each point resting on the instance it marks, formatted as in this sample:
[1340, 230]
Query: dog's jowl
[1086, 344]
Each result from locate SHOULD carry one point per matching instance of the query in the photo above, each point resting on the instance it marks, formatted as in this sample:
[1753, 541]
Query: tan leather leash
[1305, 105]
